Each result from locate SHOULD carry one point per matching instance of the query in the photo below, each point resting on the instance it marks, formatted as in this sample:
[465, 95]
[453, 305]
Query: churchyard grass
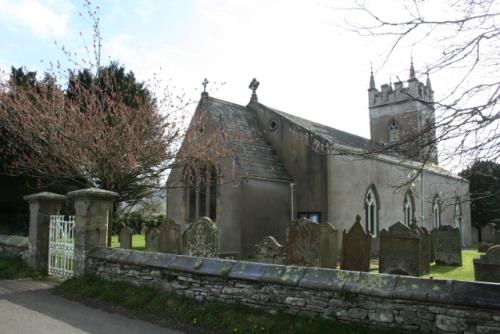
[159, 306]
[138, 242]
[14, 267]
[463, 273]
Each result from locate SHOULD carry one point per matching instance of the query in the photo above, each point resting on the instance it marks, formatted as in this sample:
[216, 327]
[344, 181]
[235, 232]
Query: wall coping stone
[45, 195]
[475, 294]
[14, 241]
[93, 193]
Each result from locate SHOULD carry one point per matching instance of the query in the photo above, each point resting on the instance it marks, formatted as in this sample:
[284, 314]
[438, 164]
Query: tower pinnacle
[412, 70]
[372, 79]
[428, 81]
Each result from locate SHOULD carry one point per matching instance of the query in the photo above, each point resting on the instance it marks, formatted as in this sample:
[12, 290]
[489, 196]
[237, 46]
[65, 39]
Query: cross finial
[205, 83]
[253, 86]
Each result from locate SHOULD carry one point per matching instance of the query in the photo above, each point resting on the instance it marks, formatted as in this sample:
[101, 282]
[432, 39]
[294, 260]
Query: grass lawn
[160, 306]
[138, 242]
[464, 273]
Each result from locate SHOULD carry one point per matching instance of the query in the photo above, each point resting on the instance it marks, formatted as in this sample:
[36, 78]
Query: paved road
[28, 307]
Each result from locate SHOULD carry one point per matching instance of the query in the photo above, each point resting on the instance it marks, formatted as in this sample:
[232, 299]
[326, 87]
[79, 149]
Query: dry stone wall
[389, 300]
[14, 245]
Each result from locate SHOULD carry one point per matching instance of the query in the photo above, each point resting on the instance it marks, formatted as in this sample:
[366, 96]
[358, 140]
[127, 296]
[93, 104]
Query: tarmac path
[28, 306]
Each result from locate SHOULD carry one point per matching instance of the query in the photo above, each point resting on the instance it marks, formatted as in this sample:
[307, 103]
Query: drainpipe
[422, 195]
[292, 209]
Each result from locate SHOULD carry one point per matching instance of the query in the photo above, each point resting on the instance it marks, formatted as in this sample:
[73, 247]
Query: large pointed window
[408, 207]
[436, 212]
[200, 195]
[458, 214]
[393, 131]
[371, 211]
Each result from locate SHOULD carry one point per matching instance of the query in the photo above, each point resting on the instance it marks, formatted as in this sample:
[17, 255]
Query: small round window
[273, 125]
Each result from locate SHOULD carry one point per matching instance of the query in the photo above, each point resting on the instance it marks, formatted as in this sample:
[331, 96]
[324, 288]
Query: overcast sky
[306, 63]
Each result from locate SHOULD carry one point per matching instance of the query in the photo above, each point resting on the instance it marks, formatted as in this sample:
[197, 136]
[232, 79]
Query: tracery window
[371, 211]
[458, 214]
[436, 212]
[408, 207]
[393, 131]
[200, 196]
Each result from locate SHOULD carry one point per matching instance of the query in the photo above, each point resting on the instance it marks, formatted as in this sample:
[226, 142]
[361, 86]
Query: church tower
[402, 117]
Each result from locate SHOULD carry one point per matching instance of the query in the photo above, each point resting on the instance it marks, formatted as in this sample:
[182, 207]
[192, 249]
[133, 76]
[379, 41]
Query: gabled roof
[332, 135]
[253, 154]
[350, 141]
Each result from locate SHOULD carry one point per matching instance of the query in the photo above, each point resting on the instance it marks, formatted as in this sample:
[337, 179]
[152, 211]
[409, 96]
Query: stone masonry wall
[372, 299]
[14, 245]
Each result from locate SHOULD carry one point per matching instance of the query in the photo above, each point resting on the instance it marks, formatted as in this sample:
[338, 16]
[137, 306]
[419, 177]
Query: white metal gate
[61, 246]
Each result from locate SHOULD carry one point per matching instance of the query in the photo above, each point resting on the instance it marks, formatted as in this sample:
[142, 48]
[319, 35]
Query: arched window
[200, 197]
[436, 212]
[408, 207]
[371, 211]
[393, 131]
[458, 214]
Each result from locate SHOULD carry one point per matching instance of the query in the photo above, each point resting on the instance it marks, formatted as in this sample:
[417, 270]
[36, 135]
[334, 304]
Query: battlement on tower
[399, 92]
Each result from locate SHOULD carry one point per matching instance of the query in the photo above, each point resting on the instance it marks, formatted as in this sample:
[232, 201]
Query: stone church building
[254, 168]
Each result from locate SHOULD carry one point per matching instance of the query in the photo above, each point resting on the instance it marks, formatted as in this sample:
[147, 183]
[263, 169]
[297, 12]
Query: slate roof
[333, 135]
[240, 127]
[256, 157]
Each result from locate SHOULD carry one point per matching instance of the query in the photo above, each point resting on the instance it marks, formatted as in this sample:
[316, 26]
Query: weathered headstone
[328, 245]
[425, 247]
[487, 267]
[126, 234]
[400, 251]
[170, 237]
[447, 245]
[303, 245]
[152, 240]
[269, 250]
[356, 248]
[484, 246]
[201, 238]
[488, 232]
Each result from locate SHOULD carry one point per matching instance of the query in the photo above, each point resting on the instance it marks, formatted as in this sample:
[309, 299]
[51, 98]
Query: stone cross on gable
[253, 86]
[205, 83]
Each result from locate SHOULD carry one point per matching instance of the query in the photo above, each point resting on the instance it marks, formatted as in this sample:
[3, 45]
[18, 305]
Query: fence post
[92, 209]
[42, 205]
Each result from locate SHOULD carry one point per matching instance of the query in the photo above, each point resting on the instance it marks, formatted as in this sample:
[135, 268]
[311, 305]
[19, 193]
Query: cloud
[46, 19]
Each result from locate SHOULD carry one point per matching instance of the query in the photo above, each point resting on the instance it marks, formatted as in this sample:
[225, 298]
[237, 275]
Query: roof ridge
[228, 102]
[317, 123]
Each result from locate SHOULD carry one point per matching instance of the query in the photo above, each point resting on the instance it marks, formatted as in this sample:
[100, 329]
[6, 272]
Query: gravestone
[328, 245]
[303, 243]
[488, 233]
[126, 234]
[425, 247]
[400, 251]
[356, 248]
[170, 237]
[152, 240]
[269, 250]
[487, 267]
[447, 245]
[201, 238]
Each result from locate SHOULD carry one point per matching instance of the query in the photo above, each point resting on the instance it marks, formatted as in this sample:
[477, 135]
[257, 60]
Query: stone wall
[372, 299]
[14, 245]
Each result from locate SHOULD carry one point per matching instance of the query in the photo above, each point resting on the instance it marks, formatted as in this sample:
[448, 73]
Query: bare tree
[466, 38]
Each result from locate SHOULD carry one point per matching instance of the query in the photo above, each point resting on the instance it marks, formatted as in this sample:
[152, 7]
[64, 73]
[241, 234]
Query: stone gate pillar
[92, 209]
[42, 205]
